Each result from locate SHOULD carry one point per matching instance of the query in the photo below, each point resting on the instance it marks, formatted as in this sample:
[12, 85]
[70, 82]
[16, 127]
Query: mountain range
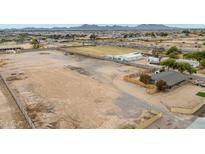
[118, 27]
[87, 27]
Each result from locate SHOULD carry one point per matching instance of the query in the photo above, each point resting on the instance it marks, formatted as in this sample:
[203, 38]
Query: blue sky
[4, 26]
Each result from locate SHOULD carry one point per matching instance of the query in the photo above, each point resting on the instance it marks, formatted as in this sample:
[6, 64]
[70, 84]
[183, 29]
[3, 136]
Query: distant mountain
[153, 27]
[98, 28]
[117, 27]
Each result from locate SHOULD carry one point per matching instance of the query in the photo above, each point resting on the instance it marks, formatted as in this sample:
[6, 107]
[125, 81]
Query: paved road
[199, 123]
[197, 77]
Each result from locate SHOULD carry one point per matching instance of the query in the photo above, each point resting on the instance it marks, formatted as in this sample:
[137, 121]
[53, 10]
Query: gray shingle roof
[171, 77]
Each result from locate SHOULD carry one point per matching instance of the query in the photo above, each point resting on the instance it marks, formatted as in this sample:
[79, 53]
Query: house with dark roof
[172, 78]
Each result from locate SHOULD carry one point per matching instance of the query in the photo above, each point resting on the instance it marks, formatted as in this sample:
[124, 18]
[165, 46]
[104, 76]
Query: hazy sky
[4, 26]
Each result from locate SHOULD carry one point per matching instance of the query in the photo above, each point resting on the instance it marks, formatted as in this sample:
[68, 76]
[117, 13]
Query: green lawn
[202, 94]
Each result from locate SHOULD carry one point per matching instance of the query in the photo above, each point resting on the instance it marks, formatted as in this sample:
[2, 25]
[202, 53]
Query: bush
[152, 34]
[163, 34]
[186, 32]
[145, 78]
[161, 85]
[173, 49]
[35, 43]
[202, 62]
[173, 55]
[93, 37]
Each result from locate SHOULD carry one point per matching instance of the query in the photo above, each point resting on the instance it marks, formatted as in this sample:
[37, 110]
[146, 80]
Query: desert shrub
[93, 36]
[161, 85]
[145, 78]
[163, 34]
[186, 32]
[152, 34]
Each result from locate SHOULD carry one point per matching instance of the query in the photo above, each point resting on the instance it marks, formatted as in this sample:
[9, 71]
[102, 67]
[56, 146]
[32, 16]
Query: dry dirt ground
[78, 92]
[13, 44]
[57, 95]
[10, 116]
[192, 42]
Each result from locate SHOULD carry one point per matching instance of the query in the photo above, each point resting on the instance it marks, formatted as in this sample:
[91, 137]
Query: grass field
[202, 94]
[102, 50]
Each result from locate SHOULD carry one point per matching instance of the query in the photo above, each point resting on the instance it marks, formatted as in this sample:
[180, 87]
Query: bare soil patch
[76, 101]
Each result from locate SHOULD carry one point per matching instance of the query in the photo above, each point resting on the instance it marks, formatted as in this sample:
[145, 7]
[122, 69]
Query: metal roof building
[172, 78]
[127, 57]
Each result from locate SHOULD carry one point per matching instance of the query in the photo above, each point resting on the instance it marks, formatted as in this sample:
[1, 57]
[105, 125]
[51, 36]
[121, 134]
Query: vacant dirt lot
[77, 100]
[68, 91]
[10, 116]
[77, 92]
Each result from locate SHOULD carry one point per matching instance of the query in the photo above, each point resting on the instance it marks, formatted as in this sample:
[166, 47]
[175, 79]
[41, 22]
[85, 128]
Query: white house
[193, 63]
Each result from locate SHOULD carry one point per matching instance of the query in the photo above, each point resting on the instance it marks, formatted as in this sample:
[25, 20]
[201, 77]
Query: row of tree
[154, 34]
[151, 34]
[198, 55]
[67, 36]
[180, 66]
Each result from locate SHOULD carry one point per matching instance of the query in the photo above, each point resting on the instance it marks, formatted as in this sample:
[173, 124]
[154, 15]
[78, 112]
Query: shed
[154, 60]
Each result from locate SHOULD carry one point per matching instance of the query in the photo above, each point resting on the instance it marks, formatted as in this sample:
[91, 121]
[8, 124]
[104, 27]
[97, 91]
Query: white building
[154, 60]
[127, 57]
[193, 63]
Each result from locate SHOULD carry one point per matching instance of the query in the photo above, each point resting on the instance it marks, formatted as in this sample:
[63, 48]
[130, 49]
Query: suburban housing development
[93, 76]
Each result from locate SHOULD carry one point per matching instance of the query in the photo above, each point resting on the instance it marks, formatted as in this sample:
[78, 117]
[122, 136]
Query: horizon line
[50, 26]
